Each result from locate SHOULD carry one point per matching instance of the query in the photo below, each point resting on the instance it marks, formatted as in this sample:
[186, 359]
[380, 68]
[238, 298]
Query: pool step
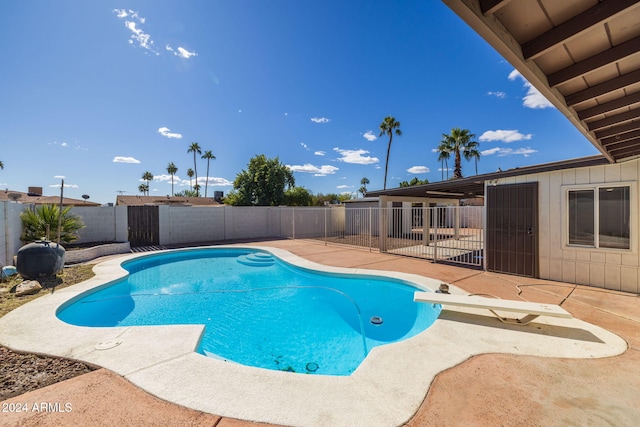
[256, 259]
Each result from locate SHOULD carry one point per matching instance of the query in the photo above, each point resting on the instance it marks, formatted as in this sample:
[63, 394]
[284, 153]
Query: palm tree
[455, 142]
[190, 175]
[387, 128]
[207, 155]
[363, 182]
[143, 188]
[195, 149]
[1, 165]
[147, 176]
[38, 222]
[444, 158]
[471, 152]
[172, 170]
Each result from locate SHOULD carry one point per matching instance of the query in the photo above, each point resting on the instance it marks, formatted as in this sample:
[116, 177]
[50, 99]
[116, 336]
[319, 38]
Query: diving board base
[531, 309]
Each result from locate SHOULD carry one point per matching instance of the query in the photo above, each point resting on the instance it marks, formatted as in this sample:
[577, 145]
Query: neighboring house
[165, 200]
[34, 197]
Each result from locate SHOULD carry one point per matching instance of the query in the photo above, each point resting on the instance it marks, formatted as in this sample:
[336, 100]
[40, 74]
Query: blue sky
[98, 92]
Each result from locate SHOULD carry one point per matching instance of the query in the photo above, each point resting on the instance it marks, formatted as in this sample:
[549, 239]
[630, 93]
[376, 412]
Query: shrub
[42, 222]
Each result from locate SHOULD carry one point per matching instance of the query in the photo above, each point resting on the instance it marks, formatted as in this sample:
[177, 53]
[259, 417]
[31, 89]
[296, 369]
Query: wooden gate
[144, 225]
[512, 229]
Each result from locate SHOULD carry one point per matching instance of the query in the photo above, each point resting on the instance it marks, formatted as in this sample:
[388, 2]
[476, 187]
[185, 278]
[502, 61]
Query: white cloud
[418, 169]
[181, 52]
[502, 152]
[356, 156]
[320, 120]
[370, 136]
[320, 153]
[497, 94]
[164, 131]
[444, 169]
[59, 177]
[304, 145]
[344, 186]
[213, 182]
[120, 13]
[166, 177]
[119, 159]
[504, 136]
[143, 39]
[315, 170]
[490, 151]
[533, 98]
[61, 144]
[65, 186]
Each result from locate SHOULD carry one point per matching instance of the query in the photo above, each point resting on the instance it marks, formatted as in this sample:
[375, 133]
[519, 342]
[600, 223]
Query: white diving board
[531, 309]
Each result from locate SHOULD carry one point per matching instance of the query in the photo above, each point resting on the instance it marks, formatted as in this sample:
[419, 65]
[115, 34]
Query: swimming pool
[259, 310]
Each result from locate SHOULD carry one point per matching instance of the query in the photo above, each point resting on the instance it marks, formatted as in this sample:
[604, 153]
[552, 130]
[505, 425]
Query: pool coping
[383, 390]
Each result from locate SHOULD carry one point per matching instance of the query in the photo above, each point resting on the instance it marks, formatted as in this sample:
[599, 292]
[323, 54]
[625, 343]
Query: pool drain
[376, 320]
[312, 366]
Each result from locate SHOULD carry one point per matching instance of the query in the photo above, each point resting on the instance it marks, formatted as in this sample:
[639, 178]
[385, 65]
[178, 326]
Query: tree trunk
[457, 172]
[386, 165]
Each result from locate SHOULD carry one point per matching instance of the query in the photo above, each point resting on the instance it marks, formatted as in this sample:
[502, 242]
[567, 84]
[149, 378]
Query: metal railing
[445, 233]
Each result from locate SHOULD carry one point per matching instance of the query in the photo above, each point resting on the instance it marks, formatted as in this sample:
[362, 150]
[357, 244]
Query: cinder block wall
[180, 224]
[10, 230]
[102, 224]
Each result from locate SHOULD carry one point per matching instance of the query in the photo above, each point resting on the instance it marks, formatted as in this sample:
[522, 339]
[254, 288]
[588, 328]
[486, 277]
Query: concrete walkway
[488, 389]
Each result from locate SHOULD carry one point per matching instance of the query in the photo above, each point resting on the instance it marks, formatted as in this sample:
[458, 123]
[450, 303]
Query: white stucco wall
[604, 268]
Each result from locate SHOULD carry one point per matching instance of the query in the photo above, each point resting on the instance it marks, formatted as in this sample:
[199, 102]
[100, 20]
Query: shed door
[512, 229]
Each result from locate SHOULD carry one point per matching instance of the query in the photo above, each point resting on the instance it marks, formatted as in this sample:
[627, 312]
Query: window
[599, 217]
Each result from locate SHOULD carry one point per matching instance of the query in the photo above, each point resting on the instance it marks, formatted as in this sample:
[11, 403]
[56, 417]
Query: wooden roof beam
[628, 149]
[601, 12]
[614, 120]
[627, 136]
[595, 62]
[607, 107]
[617, 130]
[489, 7]
[602, 88]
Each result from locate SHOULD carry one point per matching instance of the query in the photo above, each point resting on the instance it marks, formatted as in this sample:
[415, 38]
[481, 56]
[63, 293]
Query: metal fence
[443, 233]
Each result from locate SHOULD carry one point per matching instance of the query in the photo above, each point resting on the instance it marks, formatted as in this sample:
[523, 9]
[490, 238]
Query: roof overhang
[582, 55]
[473, 186]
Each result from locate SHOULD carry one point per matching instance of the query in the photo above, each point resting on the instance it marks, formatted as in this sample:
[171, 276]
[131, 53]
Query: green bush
[41, 222]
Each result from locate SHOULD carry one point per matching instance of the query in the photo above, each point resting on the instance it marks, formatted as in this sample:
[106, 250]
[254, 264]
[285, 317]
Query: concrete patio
[505, 390]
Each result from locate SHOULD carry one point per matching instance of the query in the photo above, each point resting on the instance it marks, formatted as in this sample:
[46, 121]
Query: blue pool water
[259, 310]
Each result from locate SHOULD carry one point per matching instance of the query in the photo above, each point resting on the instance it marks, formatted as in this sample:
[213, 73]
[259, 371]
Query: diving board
[531, 309]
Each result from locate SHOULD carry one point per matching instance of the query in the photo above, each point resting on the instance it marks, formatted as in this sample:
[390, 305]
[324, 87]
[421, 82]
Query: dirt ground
[21, 373]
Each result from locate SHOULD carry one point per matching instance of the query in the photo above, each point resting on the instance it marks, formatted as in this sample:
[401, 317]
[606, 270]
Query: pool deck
[587, 376]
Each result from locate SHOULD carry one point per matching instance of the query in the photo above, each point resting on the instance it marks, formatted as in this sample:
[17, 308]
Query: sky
[96, 93]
